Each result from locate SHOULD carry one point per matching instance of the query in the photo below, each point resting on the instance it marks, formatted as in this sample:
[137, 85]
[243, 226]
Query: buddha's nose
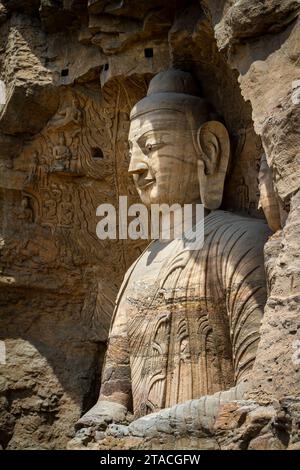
[137, 166]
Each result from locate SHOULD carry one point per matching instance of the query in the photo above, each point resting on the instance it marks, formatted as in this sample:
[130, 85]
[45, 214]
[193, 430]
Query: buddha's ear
[214, 148]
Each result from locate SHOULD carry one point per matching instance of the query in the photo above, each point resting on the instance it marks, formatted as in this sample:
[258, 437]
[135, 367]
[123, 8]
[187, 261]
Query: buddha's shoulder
[220, 218]
[240, 229]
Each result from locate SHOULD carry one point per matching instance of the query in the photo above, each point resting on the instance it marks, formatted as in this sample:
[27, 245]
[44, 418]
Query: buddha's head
[177, 155]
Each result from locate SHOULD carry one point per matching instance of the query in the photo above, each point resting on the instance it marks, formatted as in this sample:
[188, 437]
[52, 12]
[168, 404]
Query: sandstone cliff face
[70, 72]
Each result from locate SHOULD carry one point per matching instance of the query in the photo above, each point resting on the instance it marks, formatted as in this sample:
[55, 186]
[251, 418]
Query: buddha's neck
[182, 218]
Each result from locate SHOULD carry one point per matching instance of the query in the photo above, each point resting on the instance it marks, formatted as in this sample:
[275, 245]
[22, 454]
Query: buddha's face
[163, 159]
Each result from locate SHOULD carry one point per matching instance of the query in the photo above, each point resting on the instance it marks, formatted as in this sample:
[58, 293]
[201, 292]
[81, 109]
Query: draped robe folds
[186, 322]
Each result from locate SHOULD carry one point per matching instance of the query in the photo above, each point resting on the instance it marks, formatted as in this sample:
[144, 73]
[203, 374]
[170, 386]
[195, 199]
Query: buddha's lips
[144, 184]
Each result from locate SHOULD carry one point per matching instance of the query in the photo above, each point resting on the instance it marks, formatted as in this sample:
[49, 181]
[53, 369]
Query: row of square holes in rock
[148, 52]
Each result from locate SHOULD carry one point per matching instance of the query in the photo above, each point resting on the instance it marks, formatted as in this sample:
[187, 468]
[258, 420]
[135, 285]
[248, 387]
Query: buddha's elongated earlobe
[214, 149]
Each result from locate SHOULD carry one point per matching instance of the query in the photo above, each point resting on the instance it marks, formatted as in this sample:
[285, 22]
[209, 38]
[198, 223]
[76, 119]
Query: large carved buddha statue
[185, 329]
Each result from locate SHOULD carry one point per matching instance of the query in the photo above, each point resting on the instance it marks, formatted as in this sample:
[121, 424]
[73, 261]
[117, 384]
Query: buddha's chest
[167, 305]
[174, 328]
[164, 275]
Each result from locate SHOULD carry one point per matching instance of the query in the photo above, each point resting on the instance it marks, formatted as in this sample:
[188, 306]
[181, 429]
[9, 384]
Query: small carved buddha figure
[243, 195]
[62, 155]
[69, 115]
[186, 324]
[26, 212]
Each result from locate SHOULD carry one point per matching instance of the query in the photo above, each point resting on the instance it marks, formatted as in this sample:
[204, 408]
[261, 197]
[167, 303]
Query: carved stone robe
[187, 323]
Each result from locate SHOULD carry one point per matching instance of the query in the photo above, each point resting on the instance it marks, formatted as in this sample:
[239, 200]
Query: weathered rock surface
[240, 425]
[72, 70]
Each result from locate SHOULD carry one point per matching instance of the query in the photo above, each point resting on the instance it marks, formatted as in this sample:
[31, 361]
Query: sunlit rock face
[74, 77]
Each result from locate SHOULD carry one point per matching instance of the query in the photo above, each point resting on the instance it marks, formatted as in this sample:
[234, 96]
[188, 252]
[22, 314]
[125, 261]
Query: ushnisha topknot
[172, 90]
[173, 81]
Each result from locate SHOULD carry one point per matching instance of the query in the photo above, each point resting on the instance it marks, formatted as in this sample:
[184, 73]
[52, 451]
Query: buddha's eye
[149, 147]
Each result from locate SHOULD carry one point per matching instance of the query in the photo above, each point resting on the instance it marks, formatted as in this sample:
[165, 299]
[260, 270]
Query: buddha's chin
[149, 195]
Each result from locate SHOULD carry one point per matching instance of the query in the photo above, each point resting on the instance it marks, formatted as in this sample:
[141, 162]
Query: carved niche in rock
[186, 323]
